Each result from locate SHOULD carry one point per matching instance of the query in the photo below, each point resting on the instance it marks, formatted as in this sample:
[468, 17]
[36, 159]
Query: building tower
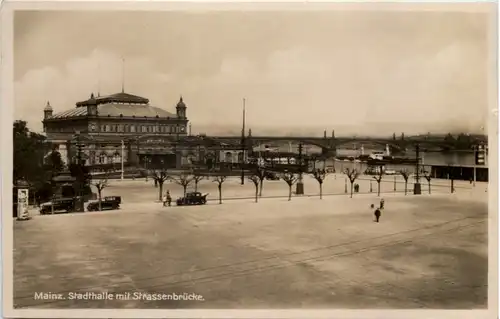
[47, 111]
[92, 106]
[181, 109]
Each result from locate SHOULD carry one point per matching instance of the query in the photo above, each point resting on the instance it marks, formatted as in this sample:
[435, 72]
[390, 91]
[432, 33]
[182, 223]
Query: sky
[358, 72]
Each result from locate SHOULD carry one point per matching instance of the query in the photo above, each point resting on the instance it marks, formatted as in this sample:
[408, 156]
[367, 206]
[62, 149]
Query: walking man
[382, 203]
[164, 200]
[169, 198]
[377, 214]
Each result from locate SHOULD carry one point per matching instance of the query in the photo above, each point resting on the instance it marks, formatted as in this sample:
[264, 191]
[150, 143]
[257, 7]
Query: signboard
[22, 203]
[480, 155]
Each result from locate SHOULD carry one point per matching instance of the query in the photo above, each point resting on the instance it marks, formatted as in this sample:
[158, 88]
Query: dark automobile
[108, 202]
[272, 176]
[59, 205]
[192, 198]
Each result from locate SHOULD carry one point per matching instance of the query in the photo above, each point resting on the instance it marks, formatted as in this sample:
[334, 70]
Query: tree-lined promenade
[33, 165]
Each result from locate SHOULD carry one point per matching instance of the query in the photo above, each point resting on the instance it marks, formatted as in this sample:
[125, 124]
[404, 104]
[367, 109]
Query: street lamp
[299, 188]
[417, 190]
[79, 205]
[123, 151]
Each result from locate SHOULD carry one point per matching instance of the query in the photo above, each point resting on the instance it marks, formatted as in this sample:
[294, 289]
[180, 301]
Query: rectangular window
[132, 128]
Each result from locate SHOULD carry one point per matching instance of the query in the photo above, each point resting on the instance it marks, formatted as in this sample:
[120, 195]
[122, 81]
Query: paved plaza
[429, 251]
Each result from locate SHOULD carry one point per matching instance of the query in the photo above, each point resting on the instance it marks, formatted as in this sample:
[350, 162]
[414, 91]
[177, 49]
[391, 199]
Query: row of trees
[258, 175]
[353, 174]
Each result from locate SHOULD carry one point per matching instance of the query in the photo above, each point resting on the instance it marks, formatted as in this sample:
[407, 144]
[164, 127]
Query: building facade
[109, 128]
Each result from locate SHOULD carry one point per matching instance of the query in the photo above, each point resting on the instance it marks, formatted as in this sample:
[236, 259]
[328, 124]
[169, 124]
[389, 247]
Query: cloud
[408, 75]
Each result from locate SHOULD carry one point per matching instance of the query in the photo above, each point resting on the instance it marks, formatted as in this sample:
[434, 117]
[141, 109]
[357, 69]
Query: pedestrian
[377, 214]
[382, 203]
[164, 200]
[169, 198]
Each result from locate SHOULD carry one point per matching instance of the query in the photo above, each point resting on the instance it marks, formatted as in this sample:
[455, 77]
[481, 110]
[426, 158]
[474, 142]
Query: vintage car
[107, 203]
[59, 205]
[272, 176]
[192, 198]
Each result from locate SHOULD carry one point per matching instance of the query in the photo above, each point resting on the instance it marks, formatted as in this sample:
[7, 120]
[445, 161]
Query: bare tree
[100, 184]
[220, 178]
[378, 178]
[290, 179]
[197, 177]
[352, 174]
[406, 174]
[320, 176]
[256, 181]
[261, 173]
[160, 177]
[428, 177]
[184, 179]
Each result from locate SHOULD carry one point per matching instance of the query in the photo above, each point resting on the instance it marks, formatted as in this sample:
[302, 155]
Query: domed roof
[118, 110]
[181, 103]
[48, 107]
[117, 105]
[121, 97]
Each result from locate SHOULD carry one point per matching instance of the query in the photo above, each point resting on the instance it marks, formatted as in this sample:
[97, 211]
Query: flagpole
[243, 144]
[123, 74]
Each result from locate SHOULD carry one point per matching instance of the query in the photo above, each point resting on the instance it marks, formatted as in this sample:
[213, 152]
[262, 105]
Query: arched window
[117, 158]
[240, 157]
[228, 157]
[102, 159]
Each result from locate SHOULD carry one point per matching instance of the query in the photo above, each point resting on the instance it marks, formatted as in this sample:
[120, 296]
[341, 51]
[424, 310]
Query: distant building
[149, 134]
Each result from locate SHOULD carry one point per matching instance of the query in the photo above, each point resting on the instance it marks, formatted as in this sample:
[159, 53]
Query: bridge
[330, 145]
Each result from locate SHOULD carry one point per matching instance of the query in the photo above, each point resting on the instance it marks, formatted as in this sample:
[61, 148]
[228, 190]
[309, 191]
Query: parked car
[272, 176]
[107, 203]
[60, 205]
[192, 198]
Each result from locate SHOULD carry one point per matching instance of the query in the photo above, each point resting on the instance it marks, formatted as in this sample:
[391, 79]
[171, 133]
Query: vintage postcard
[238, 160]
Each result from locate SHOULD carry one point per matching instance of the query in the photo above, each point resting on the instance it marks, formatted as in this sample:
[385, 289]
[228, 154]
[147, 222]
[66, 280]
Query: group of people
[378, 210]
[167, 199]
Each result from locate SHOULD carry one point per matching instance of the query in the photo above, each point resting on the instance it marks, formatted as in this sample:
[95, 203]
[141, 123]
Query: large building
[118, 125]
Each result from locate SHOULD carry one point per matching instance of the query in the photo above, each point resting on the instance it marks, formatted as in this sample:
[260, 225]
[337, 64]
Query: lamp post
[79, 205]
[243, 145]
[299, 190]
[123, 151]
[417, 190]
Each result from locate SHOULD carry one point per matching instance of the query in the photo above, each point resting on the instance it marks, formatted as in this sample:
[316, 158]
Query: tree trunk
[406, 186]
[320, 190]
[160, 190]
[289, 192]
[352, 188]
[261, 186]
[99, 191]
[429, 183]
[196, 185]
[185, 189]
[452, 188]
[220, 193]
[256, 193]
[378, 189]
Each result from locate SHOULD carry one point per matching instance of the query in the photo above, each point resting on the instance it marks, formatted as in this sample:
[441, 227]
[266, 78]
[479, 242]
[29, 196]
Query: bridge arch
[392, 144]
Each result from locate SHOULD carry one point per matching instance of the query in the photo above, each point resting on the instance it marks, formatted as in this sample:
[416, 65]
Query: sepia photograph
[252, 158]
